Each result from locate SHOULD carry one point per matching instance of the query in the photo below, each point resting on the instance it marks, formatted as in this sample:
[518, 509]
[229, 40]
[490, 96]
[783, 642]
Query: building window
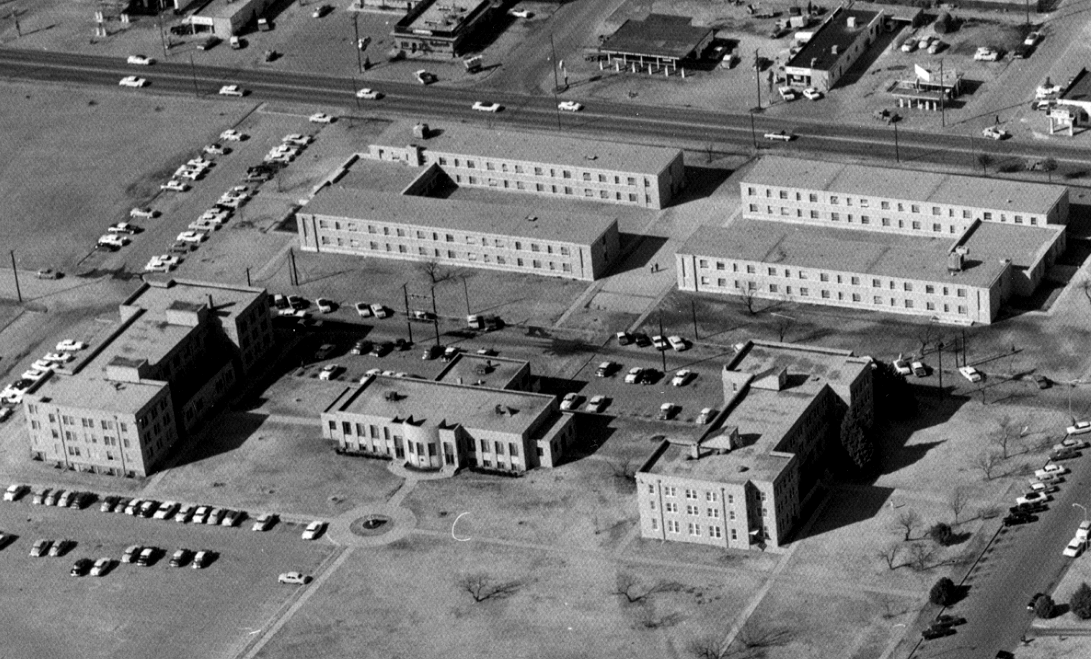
[672, 525]
[836, 217]
[714, 531]
[714, 512]
[670, 507]
[670, 491]
[833, 200]
[655, 524]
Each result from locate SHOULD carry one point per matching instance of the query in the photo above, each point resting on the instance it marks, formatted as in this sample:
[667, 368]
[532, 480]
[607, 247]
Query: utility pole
[553, 48]
[942, 97]
[356, 42]
[939, 351]
[193, 72]
[963, 346]
[435, 315]
[662, 352]
[757, 76]
[466, 292]
[693, 312]
[15, 272]
[355, 86]
[897, 154]
[248, 284]
[293, 274]
[408, 323]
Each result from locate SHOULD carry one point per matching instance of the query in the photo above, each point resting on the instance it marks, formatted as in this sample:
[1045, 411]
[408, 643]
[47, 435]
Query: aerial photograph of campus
[545, 329]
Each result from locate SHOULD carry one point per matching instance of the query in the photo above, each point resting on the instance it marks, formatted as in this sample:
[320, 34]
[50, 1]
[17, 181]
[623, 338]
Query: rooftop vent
[392, 396]
[955, 261]
[532, 218]
[851, 21]
[834, 49]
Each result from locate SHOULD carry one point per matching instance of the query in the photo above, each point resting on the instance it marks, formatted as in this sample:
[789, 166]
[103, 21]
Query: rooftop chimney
[834, 49]
[695, 451]
[851, 21]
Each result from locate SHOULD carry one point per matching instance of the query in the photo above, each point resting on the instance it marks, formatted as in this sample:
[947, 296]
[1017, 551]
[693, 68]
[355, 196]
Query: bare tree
[985, 160]
[748, 293]
[957, 501]
[1049, 165]
[624, 471]
[907, 521]
[1007, 432]
[926, 336]
[709, 647]
[435, 271]
[481, 586]
[632, 590]
[920, 555]
[755, 636]
[782, 324]
[986, 462]
[890, 555]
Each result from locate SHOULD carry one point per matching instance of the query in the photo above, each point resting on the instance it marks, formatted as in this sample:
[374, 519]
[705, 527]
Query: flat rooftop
[148, 337]
[222, 8]
[445, 15]
[870, 181]
[481, 371]
[496, 219]
[830, 364]
[439, 403]
[657, 35]
[229, 301]
[1023, 244]
[535, 148]
[818, 52]
[762, 417]
[378, 176]
[93, 393]
[841, 250]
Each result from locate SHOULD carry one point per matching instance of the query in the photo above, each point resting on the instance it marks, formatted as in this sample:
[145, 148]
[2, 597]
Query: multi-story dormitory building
[464, 233]
[593, 170]
[952, 248]
[178, 348]
[478, 412]
[742, 482]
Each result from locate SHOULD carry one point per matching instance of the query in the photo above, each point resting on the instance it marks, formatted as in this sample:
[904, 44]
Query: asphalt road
[671, 126]
[1022, 561]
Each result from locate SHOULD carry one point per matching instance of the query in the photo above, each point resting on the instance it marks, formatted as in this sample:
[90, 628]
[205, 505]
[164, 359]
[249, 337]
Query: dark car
[432, 351]
[948, 621]
[641, 339]
[1042, 382]
[361, 347]
[381, 349]
[401, 344]
[1064, 454]
[1016, 519]
[1034, 600]
[937, 632]
[81, 567]
[649, 376]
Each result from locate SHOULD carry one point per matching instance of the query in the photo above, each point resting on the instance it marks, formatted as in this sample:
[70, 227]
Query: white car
[296, 578]
[986, 54]
[313, 530]
[132, 81]
[970, 373]
[199, 163]
[214, 215]
[33, 375]
[214, 149]
[681, 377]
[667, 411]
[232, 90]
[190, 174]
[1053, 468]
[704, 417]
[157, 266]
[122, 228]
[1032, 497]
[1047, 91]
[994, 133]
[143, 211]
[521, 13]
[787, 93]
[571, 401]
[780, 135]
[232, 136]
[482, 106]
[569, 106]
[113, 241]
[909, 45]
[264, 522]
[192, 237]
[1084, 530]
[168, 258]
[901, 367]
[165, 510]
[596, 404]
[43, 365]
[812, 94]
[205, 226]
[15, 491]
[1066, 443]
[57, 357]
[369, 94]
[140, 59]
[324, 305]
[633, 376]
[1079, 428]
[677, 343]
[659, 342]
[1075, 547]
[320, 118]
[935, 47]
[174, 185]
[329, 372]
[1032, 39]
[68, 345]
[297, 139]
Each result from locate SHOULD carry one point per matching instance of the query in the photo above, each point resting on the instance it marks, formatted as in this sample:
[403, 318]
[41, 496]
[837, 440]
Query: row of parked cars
[13, 393]
[641, 340]
[182, 513]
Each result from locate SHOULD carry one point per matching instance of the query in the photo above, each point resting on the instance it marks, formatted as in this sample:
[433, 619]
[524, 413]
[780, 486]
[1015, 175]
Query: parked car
[329, 372]
[986, 54]
[81, 567]
[1075, 547]
[995, 133]
[40, 548]
[596, 404]
[320, 118]
[681, 378]
[313, 530]
[571, 401]
[185, 513]
[659, 342]
[605, 369]
[812, 94]
[232, 135]
[15, 492]
[667, 411]
[264, 522]
[1079, 428]
[704, 417]
[677, 343]
[232, 90]
[424, 77]
[166, 510]
[203, 559]
[787, 93]
[130, 553]
[147, 556]
[1069, 443]
[1042, 382]
[381, 311]
[294, 578]
[634, 374]
[919, 369]
[623, 338]
[61, 547]
[1032, 497]
[180, 557]
[101, 567]
[970, 373]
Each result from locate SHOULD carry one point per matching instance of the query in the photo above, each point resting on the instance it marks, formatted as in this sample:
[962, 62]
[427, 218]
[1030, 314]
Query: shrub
[943, 23]
[940, 533]
[943, 592]
[1043, 607]
[1080, 602]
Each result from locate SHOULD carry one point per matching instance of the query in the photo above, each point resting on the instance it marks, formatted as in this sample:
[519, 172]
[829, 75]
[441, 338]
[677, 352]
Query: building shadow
[894, 451]
[843, 507]
[640, 254]
[701, 182]
[220, 434]
[593, 431]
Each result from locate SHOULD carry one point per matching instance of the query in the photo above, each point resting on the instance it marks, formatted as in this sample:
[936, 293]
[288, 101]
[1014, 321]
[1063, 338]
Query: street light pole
[408, 323]
[553, 48]
[757, 75]
[356, 43]
[466, 292]
[15, 273]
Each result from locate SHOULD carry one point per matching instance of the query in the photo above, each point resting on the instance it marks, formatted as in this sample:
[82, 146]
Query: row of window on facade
[839, 296]
[373, 431]
[836, 200]
[854, 280]
[693, 528]
[916, 225]
[435, 236]
[589, 193]
[540, 170]
[519, 262]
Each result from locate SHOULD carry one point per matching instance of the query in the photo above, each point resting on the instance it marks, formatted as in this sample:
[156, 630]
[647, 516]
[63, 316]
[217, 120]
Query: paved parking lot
[154, 611]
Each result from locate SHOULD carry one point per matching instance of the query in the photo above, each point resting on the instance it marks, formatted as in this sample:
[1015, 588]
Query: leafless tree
[782, 324]
[1007, 431]
[985, 160]
[986, 462]
[890, 555]
[957, 501]
[748, 293]
[482, 586]
[709, 647]
[926, 336]
[623, 470]
[632, 590]
[435, 271]
[907, 521]
[755, 636]
[920, 555]
[1049, 165]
